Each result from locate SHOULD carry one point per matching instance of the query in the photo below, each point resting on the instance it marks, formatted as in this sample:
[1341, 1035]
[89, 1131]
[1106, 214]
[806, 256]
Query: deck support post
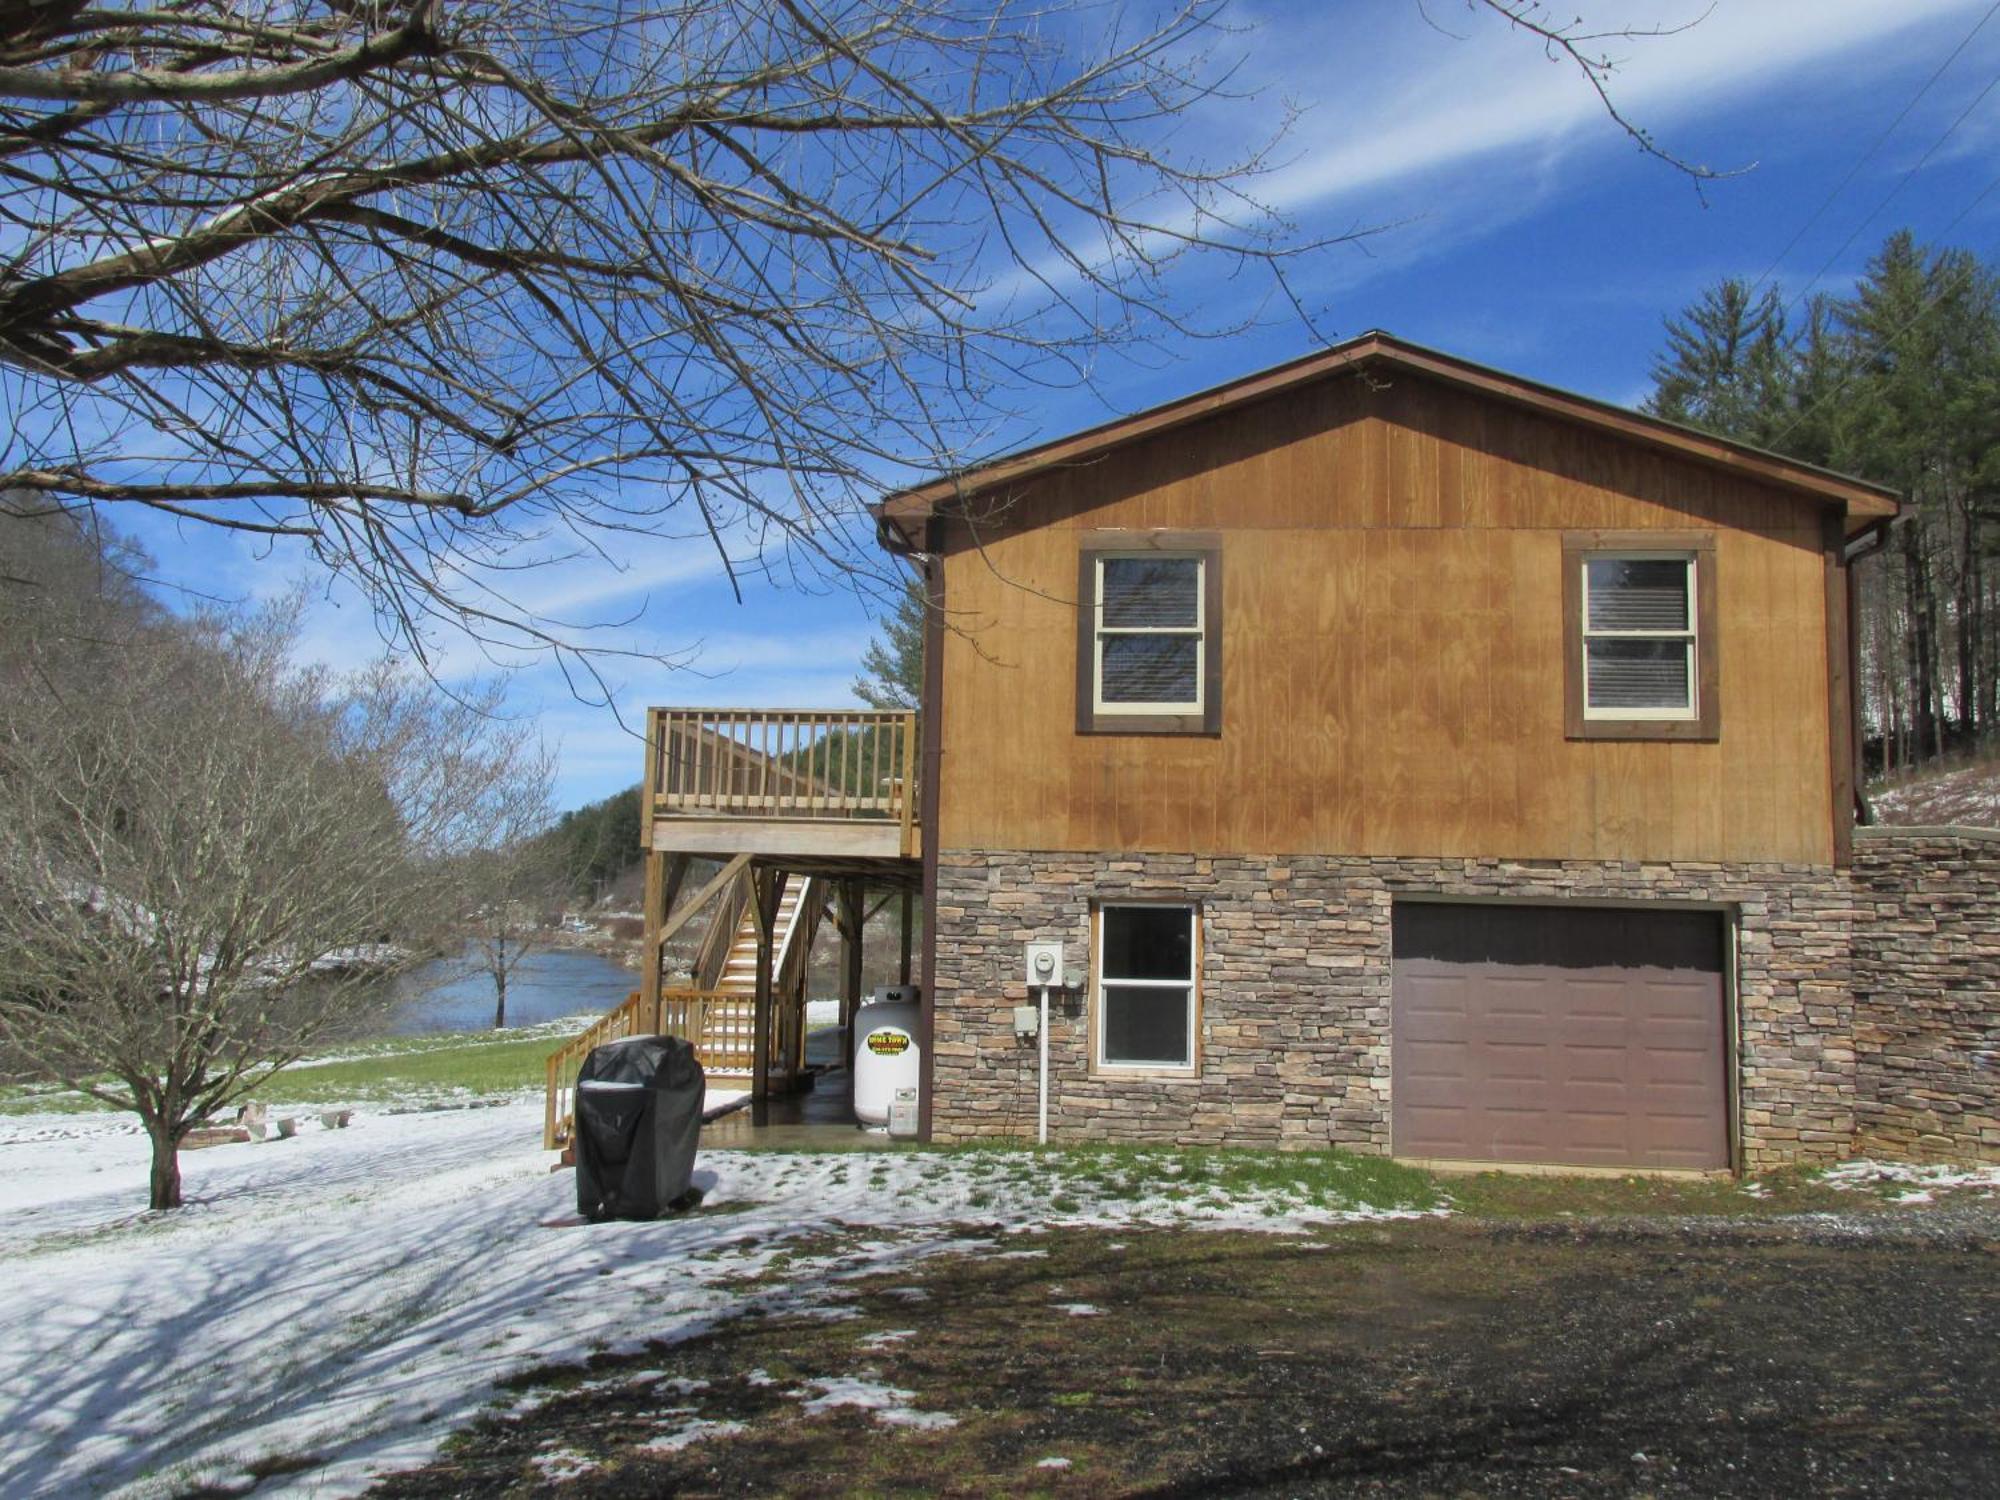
[664, 875]
[909, 932]
[852, 920]
[766, 888]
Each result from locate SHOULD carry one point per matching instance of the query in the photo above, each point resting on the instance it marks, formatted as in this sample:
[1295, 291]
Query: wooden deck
[836, 783]
[808, 809]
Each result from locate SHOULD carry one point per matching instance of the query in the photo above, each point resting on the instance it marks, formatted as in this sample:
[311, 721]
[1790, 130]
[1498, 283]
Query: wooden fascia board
[1861, 503]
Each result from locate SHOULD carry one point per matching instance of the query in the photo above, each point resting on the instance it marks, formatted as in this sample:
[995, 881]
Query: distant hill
[1966, 795]
[597, 846]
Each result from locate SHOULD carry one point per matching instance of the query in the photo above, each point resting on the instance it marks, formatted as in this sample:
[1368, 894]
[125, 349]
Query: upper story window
[1639, 616]
[1639, 637]
[1148, 635]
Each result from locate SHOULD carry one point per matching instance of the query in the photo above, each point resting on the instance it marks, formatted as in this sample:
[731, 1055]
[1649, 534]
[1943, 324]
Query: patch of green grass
[1309, 1179]
[1514, 1195]
[475, 1064]
[44, 1099]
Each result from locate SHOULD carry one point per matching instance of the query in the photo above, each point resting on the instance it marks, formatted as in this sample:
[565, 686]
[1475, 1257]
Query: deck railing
[818, 765]
[721, 1026]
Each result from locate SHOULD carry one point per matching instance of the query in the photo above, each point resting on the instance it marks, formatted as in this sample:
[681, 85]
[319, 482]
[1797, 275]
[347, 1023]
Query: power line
[1891, 195]
[1971, 268]
[1863, 159]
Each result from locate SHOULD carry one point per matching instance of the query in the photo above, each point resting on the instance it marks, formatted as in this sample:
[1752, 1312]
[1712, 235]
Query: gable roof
[900, 517]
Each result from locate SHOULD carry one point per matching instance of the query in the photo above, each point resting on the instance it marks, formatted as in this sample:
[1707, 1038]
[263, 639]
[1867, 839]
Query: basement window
[1147, 995]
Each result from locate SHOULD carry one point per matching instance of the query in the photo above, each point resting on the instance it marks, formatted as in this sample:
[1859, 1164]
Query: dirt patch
[1407, 1359]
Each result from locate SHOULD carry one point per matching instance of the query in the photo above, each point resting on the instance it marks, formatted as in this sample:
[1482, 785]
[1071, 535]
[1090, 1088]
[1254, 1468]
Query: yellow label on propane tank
[888, 1043]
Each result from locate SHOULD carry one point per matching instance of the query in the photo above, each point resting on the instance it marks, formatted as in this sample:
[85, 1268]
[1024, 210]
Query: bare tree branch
[436, 289]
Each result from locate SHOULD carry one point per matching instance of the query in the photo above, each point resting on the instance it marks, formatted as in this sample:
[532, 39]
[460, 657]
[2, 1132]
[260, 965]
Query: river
[546, 985]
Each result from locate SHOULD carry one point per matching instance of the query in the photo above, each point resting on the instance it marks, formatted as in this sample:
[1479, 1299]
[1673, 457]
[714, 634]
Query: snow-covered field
[351, 1295]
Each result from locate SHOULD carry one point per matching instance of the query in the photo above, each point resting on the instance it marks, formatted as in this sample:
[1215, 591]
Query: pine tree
[1900, 383]
[1727, 364]
[892, 668]
[1925, 329]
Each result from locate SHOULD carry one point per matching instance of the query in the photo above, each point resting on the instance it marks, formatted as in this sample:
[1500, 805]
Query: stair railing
[713, 955]
[559, 1109]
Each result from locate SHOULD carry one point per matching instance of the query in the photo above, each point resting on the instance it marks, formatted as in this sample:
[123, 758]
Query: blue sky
[1522, 229]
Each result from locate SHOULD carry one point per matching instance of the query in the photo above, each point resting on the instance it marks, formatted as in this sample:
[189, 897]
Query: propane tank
[886, 1056]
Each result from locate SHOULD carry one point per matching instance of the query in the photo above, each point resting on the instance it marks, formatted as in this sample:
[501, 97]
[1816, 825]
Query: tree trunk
[500, 984]
[1966, 604]
[166, 1174]
[1921, 647]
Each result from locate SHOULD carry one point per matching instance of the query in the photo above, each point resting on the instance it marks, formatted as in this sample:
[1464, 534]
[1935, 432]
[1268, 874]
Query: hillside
[1961, 794]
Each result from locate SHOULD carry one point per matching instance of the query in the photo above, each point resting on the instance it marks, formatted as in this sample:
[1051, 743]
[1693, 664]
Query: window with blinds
[1150, 633]
[1639, 637]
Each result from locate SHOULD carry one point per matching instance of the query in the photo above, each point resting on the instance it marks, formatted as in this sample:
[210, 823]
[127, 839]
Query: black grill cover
[638, 1114]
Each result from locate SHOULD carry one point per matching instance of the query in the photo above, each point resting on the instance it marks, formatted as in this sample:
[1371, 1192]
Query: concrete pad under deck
[818, 1119]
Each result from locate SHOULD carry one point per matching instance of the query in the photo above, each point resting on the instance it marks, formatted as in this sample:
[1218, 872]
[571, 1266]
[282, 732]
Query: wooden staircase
[739, 965]
[719, 1014]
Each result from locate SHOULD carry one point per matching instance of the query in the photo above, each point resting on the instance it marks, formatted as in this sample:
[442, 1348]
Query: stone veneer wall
[1295, 992]
[1927, 992]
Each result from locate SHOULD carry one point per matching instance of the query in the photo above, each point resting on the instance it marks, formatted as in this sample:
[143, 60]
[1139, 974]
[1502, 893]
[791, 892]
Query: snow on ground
[1922, 1180]
[354, 1294]
[890, 1405]
[1964, 796]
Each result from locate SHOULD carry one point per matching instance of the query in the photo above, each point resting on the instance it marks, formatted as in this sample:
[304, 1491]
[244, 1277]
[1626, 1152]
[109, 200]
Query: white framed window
[1146, 987]
[1641, 646]
[1150, 633]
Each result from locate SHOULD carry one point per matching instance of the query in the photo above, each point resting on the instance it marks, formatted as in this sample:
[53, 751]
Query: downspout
[1865, 543]
[930, 725]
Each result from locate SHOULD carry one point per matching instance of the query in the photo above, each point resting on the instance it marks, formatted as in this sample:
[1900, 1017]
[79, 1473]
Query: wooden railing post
[549, 1141]
[909, 786]
[769, 889]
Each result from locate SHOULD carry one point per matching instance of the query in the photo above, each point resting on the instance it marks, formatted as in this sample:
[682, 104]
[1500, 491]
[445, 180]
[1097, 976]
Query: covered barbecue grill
[638, 1116]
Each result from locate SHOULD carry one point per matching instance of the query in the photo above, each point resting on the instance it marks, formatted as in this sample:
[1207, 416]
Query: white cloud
[586, 588]
[1444, 103]
[1404, 118]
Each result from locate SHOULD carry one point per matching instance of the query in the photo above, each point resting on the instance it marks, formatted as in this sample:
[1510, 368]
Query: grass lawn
[415, 1069]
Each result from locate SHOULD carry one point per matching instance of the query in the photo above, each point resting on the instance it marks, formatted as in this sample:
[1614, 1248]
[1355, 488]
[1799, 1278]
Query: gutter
[1872, 538]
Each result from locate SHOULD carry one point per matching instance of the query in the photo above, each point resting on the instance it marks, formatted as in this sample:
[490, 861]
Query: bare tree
[439, 290]
[208, 858]
[514, 884]
[420, 283]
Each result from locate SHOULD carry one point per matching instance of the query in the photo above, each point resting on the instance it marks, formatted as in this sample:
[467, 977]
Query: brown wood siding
[1393, 648]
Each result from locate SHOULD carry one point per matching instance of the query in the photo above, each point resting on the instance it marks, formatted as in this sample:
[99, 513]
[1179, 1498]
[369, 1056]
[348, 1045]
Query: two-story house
[1413, 757]
[1408, 757]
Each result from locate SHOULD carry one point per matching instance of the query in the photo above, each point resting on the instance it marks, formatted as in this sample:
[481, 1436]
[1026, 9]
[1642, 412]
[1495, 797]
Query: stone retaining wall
[1295, 981]
[1927, 993]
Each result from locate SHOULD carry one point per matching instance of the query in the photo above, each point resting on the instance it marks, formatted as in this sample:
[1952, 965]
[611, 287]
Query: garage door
[1572, 1035]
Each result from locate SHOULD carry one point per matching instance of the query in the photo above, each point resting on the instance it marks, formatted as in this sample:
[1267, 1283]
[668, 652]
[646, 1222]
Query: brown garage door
[1574, 1035]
